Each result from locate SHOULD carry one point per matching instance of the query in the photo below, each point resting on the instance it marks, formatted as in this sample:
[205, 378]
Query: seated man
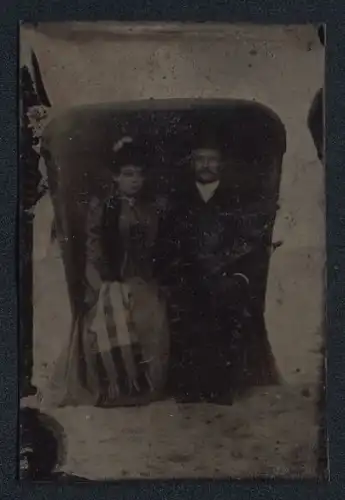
[209, 251]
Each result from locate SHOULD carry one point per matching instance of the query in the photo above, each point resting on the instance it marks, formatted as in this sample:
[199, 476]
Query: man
[207, 250]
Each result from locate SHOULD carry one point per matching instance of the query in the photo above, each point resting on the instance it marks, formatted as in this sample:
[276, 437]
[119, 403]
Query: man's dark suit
[209, 255]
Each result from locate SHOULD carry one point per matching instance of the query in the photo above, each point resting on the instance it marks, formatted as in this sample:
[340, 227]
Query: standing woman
[34, 103]
[119, 349]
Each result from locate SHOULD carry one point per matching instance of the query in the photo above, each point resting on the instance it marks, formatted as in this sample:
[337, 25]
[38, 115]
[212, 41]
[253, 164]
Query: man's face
[206, 164]
[130, 180]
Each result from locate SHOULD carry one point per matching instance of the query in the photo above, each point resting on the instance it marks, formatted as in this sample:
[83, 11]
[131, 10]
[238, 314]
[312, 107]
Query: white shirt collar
[207, 190]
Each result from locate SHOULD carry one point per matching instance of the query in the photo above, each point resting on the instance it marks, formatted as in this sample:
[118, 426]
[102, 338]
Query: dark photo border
[273, 12]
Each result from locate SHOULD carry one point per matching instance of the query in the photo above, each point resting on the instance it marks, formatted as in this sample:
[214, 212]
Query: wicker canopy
[78, 148]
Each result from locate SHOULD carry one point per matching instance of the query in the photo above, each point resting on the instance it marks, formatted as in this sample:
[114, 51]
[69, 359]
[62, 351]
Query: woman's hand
[92, 286]
[164, 292]
[92, 276]
[91, 296]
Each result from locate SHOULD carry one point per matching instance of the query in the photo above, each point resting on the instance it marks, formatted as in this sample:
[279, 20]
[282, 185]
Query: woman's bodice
[129, 230]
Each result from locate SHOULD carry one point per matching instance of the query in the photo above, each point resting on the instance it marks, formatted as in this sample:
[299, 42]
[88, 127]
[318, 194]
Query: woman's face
[130, 180]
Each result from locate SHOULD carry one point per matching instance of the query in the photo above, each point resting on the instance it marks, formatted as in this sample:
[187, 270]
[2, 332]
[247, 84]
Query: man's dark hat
[206, 136]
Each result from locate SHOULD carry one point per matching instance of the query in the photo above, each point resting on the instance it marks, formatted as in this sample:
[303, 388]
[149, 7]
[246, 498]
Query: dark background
[294, 11]
[250, 136]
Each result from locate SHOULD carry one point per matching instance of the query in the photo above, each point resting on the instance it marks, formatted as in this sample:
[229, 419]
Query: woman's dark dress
[119, 347]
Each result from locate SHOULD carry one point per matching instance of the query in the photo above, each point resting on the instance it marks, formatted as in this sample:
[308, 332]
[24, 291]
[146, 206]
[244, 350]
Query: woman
[119, 346]
[34, 104]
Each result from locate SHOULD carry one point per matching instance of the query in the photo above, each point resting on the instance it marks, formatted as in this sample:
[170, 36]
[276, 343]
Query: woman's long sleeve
[94, 257]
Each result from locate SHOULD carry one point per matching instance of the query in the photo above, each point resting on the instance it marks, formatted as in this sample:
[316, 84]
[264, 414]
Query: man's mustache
[205, 170]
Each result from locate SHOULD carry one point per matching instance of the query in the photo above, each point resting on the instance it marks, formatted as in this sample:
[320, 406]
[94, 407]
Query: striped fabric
[117, 352]
[125, 357]
[132, 334]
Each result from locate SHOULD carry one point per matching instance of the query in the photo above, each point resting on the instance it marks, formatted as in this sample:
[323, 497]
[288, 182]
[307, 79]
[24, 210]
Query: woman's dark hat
[126, 151]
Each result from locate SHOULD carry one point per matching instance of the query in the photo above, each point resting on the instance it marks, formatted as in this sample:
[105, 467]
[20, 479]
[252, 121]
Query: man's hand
[234, 287]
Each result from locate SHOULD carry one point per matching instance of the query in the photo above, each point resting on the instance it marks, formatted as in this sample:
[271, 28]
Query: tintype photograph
[172, 251]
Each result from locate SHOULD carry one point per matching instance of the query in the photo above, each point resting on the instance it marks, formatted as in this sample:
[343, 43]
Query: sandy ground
[270, 434]
[273, 432]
